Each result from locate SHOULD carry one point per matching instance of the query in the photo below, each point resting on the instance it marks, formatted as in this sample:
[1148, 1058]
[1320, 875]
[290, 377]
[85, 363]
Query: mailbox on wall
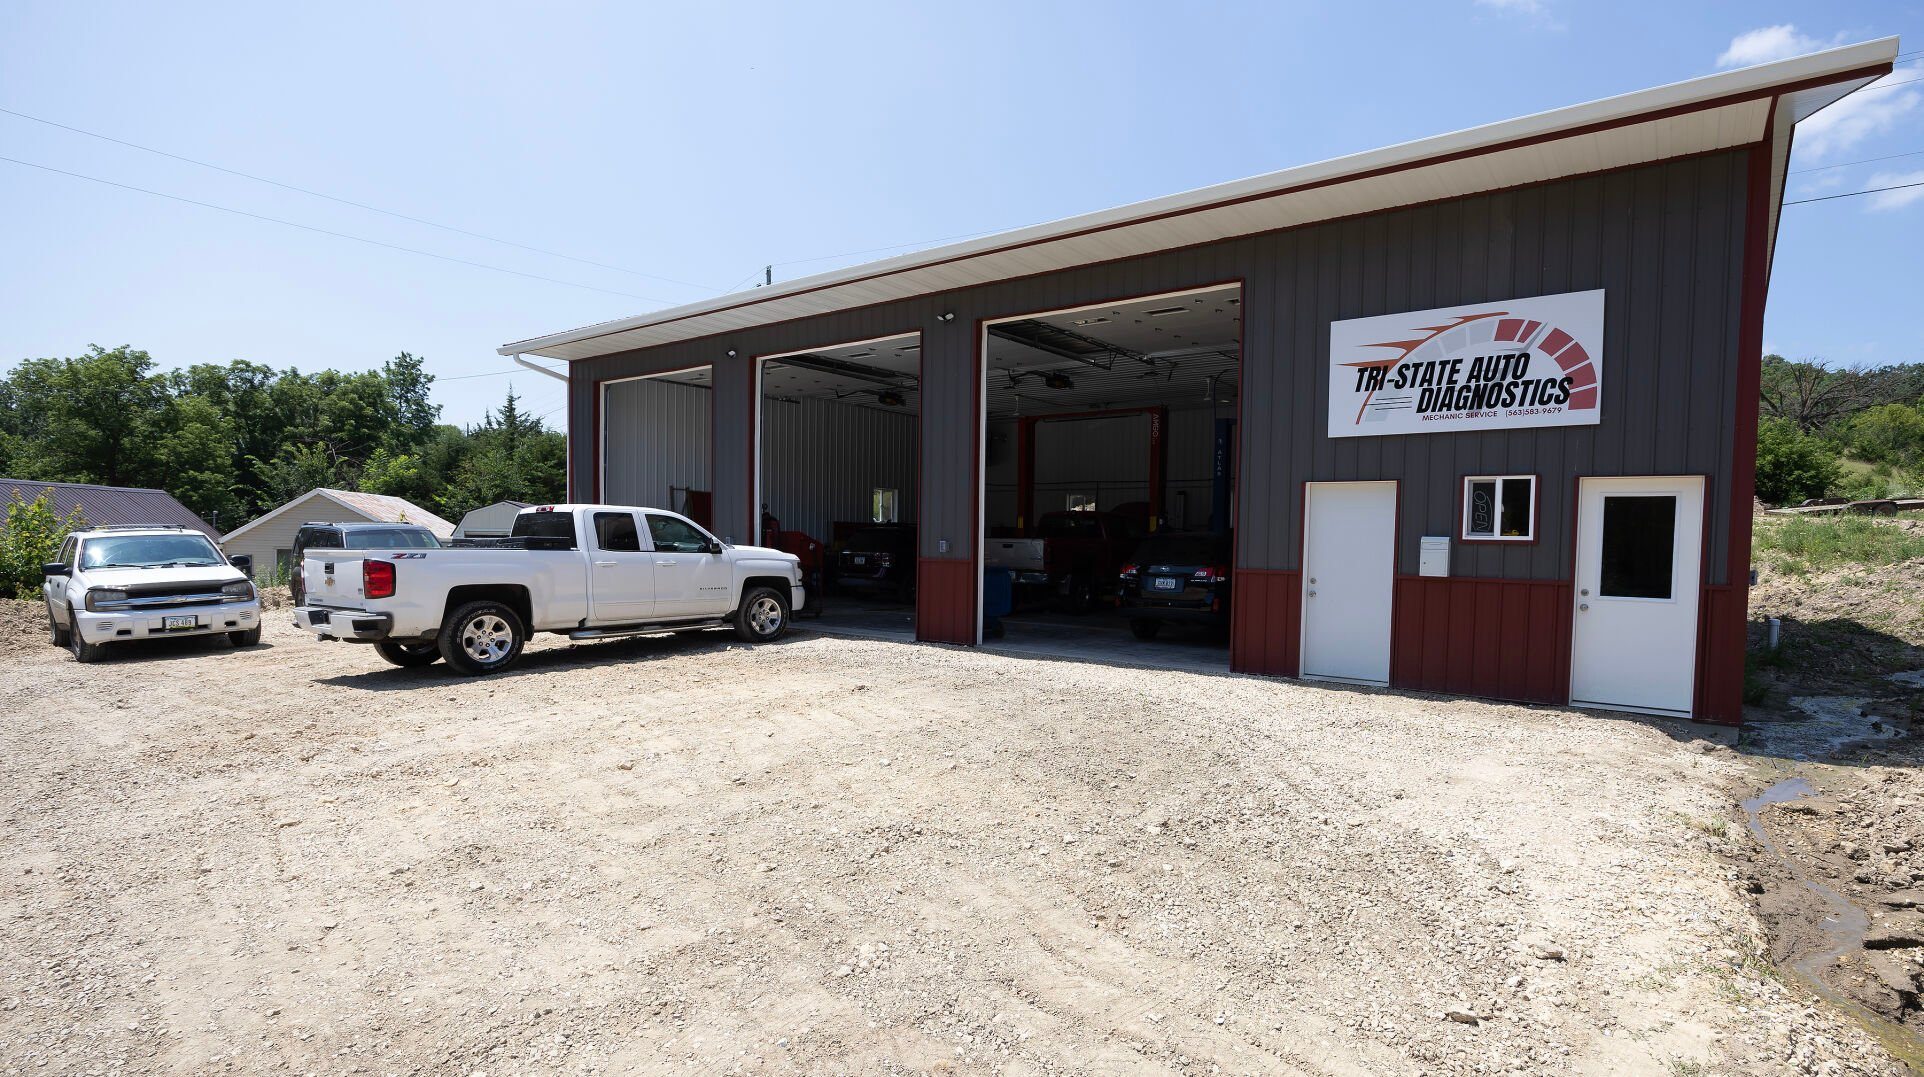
[1434, 559]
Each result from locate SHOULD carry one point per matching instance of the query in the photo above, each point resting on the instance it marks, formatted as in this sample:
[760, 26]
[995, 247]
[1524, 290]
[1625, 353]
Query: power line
[1854, 194]
[1847, 164]
[1888, 86]
[349, 202]
[330, 232]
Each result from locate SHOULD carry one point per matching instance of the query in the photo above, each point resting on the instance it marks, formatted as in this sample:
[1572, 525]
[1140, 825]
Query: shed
[269, 538]
[490, 521]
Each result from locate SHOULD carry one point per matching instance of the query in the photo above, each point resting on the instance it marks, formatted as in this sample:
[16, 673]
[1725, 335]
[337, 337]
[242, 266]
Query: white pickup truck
[583, 571]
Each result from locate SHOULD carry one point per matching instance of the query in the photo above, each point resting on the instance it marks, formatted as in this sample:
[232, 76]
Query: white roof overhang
[1715, 112]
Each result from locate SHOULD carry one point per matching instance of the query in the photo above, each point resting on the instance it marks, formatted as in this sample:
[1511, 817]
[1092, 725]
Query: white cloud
[1767, 43]
[1888, 200]
[1521, 7]
[1872, 110]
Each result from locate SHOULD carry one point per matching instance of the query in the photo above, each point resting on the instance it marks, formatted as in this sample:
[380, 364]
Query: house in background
[106, 506]
[269, 538]
[490, 521]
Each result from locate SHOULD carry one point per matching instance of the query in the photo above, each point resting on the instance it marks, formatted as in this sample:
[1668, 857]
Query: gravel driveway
[844, 856]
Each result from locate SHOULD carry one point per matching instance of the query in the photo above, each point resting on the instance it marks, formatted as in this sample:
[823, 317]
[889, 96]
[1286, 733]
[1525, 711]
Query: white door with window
[621, 588]
[1349, 576]
[1639, 563]
[690, 580]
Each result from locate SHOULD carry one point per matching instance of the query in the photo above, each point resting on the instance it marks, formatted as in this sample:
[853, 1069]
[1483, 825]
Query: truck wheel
[1145, 628]
[420, 653]
[1082, 595]
[249, 638]
[763, 615]
[482, 637]
[84, 651]
[59, 634]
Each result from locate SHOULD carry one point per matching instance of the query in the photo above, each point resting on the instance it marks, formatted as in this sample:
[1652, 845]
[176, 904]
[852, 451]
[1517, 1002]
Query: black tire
[84, 651]
[1082, 595]
[482, 637]
[409, 655]
[249, 638]
[762, 616]
[58, 633]
[1145, 628]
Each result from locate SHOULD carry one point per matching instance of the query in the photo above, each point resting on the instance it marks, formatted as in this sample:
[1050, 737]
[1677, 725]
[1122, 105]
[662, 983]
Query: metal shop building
[1474, 414]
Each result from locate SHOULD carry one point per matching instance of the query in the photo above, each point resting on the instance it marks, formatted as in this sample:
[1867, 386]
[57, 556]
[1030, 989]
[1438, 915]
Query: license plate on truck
[175, 624]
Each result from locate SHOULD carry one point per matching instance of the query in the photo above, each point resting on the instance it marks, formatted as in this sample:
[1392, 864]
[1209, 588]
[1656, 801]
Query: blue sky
[697, 142]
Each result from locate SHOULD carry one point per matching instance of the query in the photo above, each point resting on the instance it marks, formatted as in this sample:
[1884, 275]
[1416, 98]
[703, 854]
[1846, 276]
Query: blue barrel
[998, 592]
[998, 597]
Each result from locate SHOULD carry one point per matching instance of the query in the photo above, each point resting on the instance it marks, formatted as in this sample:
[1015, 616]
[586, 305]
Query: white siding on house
[269, 543]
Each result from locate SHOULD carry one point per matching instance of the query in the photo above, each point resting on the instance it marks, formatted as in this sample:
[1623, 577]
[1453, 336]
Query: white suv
[120, 583]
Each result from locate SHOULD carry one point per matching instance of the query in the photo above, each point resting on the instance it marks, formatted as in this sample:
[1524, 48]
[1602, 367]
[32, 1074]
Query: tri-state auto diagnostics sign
[1482, 366]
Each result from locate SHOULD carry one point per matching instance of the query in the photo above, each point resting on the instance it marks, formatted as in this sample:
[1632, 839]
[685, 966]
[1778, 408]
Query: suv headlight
[238, 591]
[101, 596]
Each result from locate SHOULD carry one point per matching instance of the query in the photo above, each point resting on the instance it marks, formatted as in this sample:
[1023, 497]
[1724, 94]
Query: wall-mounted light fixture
[731, 353]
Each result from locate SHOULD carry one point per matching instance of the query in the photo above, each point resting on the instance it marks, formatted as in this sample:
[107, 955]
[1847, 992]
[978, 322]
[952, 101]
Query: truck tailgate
[333, 580]
[1020, 555]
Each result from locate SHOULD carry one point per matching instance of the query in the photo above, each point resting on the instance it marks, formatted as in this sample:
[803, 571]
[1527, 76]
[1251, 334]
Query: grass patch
[1801, 543]
[1685, 1067]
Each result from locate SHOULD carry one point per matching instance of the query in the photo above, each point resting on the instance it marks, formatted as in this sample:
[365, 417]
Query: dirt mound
[1844, 629]
[22, 620]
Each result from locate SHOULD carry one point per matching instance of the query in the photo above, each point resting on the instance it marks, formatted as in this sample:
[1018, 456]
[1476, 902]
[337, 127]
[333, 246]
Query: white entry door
[1639, 561]
[1349, 574]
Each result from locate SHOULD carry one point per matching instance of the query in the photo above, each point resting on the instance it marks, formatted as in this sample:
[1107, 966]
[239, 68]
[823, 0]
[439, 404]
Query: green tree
[1792, 465]
[1889, 434]
[32, 537]
[87, 419]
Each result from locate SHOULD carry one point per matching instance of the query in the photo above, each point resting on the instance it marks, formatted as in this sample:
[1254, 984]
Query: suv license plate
[174, 624]
[1168, 583]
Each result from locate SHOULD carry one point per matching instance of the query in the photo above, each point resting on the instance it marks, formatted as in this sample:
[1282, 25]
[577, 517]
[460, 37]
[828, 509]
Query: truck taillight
[377, 579]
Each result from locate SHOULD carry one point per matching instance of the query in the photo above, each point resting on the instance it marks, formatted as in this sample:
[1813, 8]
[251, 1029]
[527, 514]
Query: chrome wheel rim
[765, 615]
[487, 638]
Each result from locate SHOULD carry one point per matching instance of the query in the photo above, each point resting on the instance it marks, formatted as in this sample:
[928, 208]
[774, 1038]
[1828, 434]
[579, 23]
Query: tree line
[233, 441]
[1833, 432]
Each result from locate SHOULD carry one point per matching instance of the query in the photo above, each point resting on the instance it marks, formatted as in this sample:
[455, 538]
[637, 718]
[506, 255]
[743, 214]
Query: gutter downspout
[539, 369]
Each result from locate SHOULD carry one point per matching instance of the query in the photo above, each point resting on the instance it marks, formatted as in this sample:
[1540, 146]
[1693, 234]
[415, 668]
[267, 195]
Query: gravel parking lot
[848, 856]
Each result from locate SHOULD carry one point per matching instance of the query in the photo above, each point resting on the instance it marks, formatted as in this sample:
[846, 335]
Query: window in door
[616, 532]
[887, 506]
[1500, 508]
[675, 536]
[1639, 546]
[1081, 503]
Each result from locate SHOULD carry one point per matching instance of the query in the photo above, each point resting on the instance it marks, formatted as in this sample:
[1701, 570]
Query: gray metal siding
[657, 438]
[822, 461]
[1665, 241]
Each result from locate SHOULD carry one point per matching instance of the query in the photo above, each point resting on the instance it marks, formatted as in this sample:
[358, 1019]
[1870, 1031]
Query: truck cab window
[674, 536]
[616, 531]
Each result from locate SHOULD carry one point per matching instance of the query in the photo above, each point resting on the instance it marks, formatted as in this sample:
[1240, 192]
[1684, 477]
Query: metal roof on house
[1721, 111]
[107, 506]
[382, 507]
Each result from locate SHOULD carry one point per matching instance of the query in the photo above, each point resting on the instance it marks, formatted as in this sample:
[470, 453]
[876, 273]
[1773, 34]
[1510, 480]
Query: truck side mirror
[714, 546]
[56, 568]
[243, 561]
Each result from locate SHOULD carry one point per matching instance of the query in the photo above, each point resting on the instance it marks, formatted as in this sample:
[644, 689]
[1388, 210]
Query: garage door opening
[839, 445]
[1109, 479]
[656, 444]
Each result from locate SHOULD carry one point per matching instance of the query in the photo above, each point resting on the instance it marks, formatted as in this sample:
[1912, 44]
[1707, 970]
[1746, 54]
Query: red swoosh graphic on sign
[1405, 347]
